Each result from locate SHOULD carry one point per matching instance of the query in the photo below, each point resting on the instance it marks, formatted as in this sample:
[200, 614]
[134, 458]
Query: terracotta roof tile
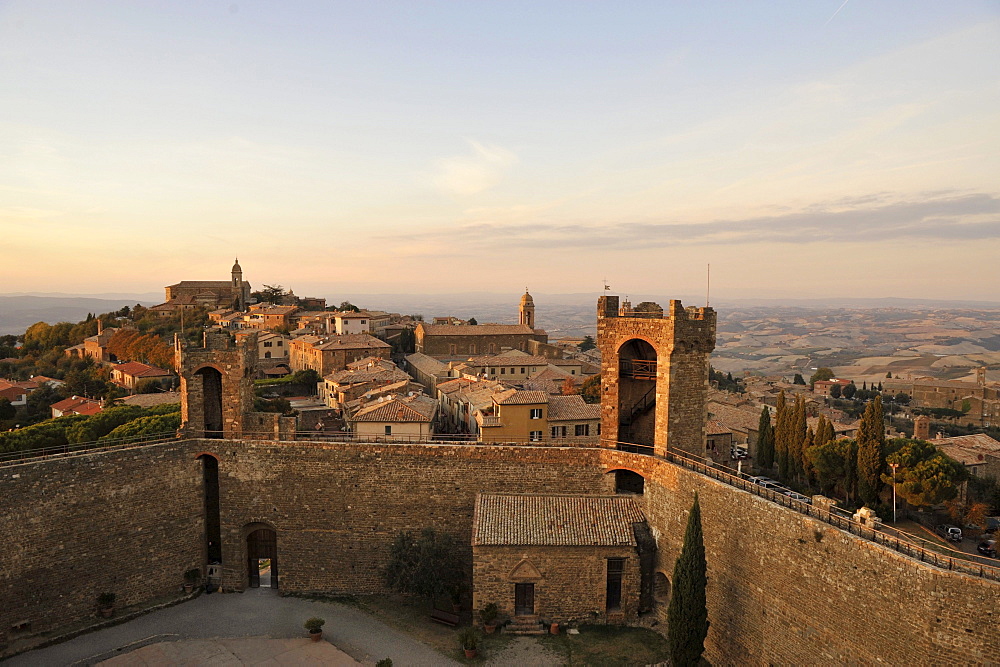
[518, 397]
[549, 520]
[563, 408]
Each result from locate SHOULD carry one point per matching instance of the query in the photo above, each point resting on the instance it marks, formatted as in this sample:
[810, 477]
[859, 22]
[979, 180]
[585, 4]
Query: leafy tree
[829, 461]
[926, 476]
[587, 344]
[406, 342]
[836, 391]
[823, 373]
[473, 321]
[888, 374]
[346, 306]
[902, 398]
[7, 411]
[308, 378]
[807, 469]
[279, 405]
[797, 442]
[568, 387]
[687, 613]
[270, 294]
[871, 461]
[591, 389]
[151, 425]
[765, 439]
[798, 379]
[849, 391]
[428, 565]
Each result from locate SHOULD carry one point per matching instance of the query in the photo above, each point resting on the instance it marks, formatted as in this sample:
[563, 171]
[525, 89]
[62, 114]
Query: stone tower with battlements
[216, 384]
[654, 375]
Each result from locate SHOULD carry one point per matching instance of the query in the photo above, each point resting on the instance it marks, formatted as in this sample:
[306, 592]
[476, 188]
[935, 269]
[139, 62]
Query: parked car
[737, 453]
[992, 523]
[949, 532]
[766, 482]
[794, 495]
[988, 548]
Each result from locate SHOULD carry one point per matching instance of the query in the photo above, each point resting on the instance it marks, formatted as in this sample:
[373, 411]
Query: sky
[802, 149]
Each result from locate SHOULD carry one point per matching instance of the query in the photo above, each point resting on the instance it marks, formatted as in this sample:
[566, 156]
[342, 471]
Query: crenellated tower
[654, 375]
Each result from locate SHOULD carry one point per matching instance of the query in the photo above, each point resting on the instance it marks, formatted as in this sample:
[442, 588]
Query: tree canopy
[822, 373]
[428, 565]
[687, 613]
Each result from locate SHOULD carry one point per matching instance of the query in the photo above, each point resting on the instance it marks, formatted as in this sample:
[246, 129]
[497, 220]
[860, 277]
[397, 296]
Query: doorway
[524, 599]
[262, 558]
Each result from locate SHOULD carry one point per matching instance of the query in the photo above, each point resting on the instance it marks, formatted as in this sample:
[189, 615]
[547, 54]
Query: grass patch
[610, 646]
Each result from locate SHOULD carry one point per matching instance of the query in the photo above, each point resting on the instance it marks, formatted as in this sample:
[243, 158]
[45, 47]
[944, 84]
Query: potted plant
[470, 641]
[191, 578]
[554, 628]
[488, 615]
[106, 604]
[315, 627]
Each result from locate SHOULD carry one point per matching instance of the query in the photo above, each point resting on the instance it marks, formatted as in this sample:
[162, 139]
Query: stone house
[979, 453]
[427, 371]
[76, 405]
[358, 378]
[268, 316]
[396, 417]
[534, 416]
[463, 341]
[560, 558]
[130, 374]
[326, 354]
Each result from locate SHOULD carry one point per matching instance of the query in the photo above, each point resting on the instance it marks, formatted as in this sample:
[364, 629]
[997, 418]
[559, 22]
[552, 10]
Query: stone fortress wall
[783, 587]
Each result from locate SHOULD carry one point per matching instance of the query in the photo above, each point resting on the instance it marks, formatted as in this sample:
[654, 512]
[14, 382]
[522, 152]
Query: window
[472, 348]
[267, 343]
[363, 322]
[280, 343]
[503, 371]
[616, 566]
[388, 430]
[582, 429]
[535, 436]
[267, 355]
[452, 349]
[536, 413]
[558, 431]
[522, 370]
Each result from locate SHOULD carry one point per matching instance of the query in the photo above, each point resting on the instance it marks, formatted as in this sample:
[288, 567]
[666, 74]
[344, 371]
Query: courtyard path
[256, 613]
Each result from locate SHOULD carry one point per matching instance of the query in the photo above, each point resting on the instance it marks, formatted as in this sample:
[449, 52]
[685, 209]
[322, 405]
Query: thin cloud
[475, 173]
[970, 217]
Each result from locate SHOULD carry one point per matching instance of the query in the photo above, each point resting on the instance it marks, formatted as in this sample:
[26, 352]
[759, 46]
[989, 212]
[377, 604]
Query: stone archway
[262, 544]
[637, 373]
[211, 401]
[627, 481]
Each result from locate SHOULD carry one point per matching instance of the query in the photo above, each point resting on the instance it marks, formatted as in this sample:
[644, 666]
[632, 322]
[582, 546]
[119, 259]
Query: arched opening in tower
[213, 525]
[637, 394]
[212, 408]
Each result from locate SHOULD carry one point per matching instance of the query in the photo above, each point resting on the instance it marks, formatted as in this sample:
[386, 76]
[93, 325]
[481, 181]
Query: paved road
[258, 612]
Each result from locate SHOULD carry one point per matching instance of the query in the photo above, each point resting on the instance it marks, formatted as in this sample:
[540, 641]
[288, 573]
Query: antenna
[708, 284]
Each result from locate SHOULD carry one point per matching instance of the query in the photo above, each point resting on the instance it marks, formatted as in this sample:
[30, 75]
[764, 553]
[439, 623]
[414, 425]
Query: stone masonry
[681, 342]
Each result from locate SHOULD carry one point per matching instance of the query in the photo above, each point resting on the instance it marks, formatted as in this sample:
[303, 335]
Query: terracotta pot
[554, 628]
[490, 629]
[188, 588]
[470, 653]
[106, 613]
[316, 636]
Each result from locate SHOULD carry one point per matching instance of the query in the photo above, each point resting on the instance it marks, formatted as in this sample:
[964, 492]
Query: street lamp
[894, 466]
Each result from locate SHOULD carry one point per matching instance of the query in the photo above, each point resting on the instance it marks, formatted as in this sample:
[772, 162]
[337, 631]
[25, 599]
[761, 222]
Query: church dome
[236, 267]
[526, 300]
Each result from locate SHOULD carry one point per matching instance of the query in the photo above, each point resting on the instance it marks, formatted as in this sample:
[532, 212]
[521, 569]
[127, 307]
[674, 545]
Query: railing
[13, 458]
[894, 540]
[638, 369]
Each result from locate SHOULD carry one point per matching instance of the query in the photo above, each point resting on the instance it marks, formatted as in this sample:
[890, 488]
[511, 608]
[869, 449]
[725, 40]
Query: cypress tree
[798, 436]
[687, 613]
[807, 467]
[782, 430]
[871, 459]
[765, 439]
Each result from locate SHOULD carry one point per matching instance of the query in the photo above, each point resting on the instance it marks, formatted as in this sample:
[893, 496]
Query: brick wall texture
[783, 587]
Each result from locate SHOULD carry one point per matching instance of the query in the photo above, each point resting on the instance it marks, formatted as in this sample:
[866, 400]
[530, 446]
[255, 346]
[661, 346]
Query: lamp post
[893, 466]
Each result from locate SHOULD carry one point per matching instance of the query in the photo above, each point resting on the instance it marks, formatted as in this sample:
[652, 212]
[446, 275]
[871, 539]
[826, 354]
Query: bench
[444, 617]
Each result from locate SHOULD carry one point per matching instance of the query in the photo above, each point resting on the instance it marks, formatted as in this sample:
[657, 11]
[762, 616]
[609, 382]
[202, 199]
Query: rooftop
[554, 520]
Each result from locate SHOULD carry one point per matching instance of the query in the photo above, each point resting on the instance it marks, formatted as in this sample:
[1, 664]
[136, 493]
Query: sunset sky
[804, 149]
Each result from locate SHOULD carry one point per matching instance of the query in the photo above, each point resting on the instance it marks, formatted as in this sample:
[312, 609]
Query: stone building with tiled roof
[130, 374]
[979, 453]
[326, 354]
[396, 417]
[564, 558]
[351, 383]
[211, 294]
[76, 405]
[517, 415]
